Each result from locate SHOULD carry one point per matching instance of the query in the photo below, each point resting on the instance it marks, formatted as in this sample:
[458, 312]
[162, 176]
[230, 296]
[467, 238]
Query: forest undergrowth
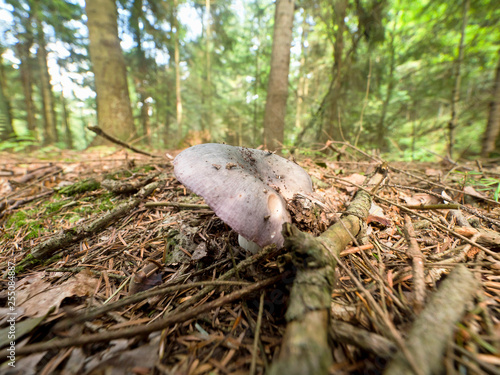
[119, 268]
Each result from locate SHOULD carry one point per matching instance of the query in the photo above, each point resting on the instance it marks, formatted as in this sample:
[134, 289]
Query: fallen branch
[167, 288]
[352, 335]
[112, 139]
[305, 348]
[147, 329]
[127, 186]
[188, 206]
[70, 236]
[434, 327]
[37, 174]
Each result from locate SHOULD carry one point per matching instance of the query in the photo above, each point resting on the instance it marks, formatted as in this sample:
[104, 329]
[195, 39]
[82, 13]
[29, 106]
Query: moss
[118, 175]
[80, 187]
[22, 219]
[27, 262]
[143, 169]
[52, 259]
[55, 206]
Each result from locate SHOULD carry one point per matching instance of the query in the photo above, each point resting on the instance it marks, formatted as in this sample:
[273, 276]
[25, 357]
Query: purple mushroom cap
[246, 188]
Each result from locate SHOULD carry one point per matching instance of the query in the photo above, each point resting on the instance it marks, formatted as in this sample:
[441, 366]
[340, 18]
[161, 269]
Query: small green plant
[486, 184]
[490, 184]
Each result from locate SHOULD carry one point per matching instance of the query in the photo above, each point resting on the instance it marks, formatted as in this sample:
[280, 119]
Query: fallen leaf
[355, 178]
[38, 297]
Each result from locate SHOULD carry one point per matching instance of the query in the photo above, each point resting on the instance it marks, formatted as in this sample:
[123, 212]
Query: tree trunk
[207, 113]
[302, 84]
[255, 120]
[6, 129]
[178, 99]
[333, 127]
[68, 138]
[277, 91]
[114, 114]
[381, 129]
[455, 97]
[49, 115]
[493, 126]
[141, 71]
[23, 51]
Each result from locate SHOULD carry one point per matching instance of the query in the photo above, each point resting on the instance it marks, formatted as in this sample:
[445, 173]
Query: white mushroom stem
[248, 245]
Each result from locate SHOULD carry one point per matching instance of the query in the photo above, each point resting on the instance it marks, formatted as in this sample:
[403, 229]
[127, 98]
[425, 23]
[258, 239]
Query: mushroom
[246, 188]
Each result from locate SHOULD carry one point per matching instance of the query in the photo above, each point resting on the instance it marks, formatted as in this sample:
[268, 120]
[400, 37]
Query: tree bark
[381, 128]
[256, 134]
[141, 71]
[455, 97]
[277, 91]
[332, 128]
[208, 82]
[50, 135]
[23, 51]
[493, 126]
[68, 138]
[6, 129]
[302, 85]
[178, 98]
[114, 114]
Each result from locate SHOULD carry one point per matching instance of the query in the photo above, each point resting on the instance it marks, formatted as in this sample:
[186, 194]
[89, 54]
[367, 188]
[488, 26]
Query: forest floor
[109, 265]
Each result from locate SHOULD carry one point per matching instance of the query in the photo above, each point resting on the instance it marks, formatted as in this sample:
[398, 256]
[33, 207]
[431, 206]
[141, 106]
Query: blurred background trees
[407, 78]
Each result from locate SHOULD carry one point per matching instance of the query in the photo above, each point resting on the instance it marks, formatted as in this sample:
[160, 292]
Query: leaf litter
[169, 256]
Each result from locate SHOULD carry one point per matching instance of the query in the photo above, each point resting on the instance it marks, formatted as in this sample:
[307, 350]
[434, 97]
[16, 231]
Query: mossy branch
[305, 348]
[70, 236]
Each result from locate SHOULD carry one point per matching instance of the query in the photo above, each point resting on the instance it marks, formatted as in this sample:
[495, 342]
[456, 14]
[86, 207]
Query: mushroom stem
[248, 245]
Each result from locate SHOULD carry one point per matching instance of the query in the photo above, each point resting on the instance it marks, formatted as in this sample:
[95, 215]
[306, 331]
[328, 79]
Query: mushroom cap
[246, 188]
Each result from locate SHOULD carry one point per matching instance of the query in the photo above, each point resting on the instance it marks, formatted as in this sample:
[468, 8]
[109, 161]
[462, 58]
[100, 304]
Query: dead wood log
[70, 236]
[434, 327]
[305, 348]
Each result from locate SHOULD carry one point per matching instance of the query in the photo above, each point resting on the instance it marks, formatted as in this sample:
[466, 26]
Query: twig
[388, 324]
[430, 333]
[178, 205]
[127, 186]
[491, 368]
[418, 260]
[462, 207]
[441, 226]
[112, 139]
[305, 348]
[92, 314]
[433, 206]
[349, 334]
[147, 329]
[268, 250]
[256, 335]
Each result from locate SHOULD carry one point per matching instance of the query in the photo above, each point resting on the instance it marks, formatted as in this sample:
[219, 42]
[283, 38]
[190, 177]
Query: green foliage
[406, 49]
[18, 144]
[478, 181]
[23, 220]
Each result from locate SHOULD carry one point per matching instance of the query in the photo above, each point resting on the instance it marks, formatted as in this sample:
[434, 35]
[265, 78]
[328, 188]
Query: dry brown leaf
[38, 297]
[355, 178]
